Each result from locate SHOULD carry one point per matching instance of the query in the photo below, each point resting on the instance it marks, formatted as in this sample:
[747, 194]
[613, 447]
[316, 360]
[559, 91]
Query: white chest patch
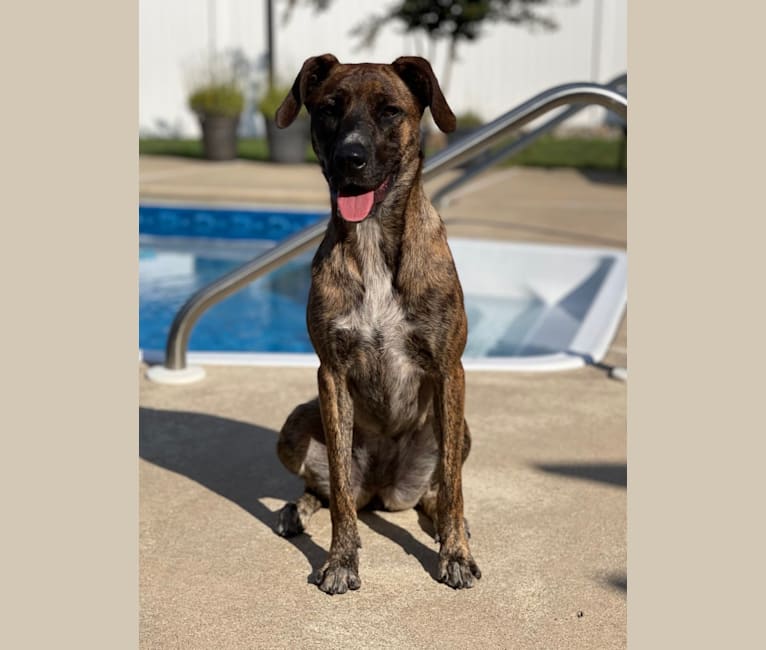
[380, 310]
[380, 317]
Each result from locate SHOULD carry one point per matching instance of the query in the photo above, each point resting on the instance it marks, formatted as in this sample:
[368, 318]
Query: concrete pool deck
[545, 484]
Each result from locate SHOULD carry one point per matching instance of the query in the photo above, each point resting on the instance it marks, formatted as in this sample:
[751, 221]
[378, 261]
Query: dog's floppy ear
[313, 71]
[416, 72]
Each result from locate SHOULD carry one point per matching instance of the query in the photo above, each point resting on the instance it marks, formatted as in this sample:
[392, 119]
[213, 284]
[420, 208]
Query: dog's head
[365, 123]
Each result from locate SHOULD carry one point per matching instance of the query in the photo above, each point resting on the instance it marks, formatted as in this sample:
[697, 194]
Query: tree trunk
[449, 64]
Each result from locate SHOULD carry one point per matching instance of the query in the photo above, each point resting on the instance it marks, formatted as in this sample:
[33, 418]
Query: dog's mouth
[355, 204]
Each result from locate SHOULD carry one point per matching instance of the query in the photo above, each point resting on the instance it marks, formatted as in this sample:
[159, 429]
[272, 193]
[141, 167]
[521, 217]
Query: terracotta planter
[219, 136]
[288, 145]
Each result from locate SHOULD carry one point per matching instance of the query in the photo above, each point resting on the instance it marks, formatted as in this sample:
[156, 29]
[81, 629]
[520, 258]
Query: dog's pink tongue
[356, 208]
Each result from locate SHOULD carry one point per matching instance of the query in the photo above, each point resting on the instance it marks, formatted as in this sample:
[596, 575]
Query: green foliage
[216, 82]
[469, 120]
[272, 100]
[549, 151]
[462, 19]
[225, 99]
[581, 152]
[456, 20]
[170, 147]
[247, 148]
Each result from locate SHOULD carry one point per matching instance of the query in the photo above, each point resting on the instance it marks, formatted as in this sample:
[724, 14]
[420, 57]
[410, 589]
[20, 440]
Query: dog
[386, 318]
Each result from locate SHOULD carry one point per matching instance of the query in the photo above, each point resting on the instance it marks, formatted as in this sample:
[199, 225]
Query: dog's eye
[328, 110]
[391, 111]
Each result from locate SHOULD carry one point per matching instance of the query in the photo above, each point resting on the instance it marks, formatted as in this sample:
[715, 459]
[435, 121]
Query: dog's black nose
[351, 157]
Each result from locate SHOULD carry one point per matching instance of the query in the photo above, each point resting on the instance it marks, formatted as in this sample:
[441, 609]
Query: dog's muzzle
[351, 158]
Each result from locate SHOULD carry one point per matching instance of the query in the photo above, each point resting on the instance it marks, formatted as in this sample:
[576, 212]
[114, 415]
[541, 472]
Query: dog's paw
[458, 570]
[289, 522]
[335, 578]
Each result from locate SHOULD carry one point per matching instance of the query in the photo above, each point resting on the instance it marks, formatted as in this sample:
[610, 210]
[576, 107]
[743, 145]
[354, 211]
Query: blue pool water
[184, 248]
[522, 301]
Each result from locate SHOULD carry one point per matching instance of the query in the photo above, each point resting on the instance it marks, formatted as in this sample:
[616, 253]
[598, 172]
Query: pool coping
[539, 363]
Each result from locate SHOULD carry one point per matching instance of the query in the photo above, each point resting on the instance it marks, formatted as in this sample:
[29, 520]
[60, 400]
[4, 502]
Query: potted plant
[287, 145]
[218, 106]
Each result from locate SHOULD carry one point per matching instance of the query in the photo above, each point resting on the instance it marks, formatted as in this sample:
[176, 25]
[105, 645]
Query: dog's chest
[382, 371]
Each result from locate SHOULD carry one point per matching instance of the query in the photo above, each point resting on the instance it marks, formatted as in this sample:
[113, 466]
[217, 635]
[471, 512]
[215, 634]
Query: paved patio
[545, 485]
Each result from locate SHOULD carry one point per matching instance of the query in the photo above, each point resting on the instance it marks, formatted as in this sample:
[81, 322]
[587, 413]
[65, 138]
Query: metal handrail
[494, 132]
[443, 193]
[462, 151]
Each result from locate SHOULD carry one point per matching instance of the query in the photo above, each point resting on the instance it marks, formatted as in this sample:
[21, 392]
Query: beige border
[70, 330]
[695, 287]
[70, 397]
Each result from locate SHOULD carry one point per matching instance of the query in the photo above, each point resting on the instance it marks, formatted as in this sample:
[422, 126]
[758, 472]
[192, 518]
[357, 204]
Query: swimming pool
[530, 307]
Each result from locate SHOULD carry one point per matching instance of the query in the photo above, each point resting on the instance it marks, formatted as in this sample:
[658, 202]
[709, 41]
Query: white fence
[504, 67]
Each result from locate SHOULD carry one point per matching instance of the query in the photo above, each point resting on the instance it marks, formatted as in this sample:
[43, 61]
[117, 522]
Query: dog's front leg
[341, 571]
[456, 564]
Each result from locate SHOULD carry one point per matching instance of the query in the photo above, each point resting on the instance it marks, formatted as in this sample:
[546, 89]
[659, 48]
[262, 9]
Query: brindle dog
[386, 317]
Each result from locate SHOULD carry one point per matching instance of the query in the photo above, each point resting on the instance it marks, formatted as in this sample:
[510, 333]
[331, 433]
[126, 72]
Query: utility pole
[595, 56]
[270, 39]
[211, 27]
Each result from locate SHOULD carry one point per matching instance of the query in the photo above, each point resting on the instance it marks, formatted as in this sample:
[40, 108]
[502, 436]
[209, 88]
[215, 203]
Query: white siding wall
[174, 36]
[503, 68]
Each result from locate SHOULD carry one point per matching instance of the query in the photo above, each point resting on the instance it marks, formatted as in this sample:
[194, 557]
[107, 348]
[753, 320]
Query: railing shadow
[236, 460]
[591, 362]
[610, 473]
[618, 581]
[616, 177]
[428, 557]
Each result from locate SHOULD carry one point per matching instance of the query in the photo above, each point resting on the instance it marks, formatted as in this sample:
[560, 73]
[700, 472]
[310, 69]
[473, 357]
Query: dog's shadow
[427, 557]
[238, 461]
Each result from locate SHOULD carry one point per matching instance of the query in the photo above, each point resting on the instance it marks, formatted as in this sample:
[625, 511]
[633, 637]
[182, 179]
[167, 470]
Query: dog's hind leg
[301, 448]
[294, 517]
